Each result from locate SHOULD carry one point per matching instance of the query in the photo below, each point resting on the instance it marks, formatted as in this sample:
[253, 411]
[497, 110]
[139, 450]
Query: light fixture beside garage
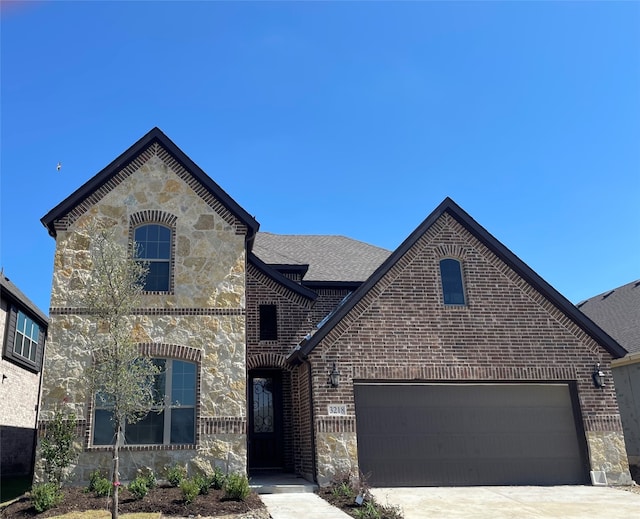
[334, 376]
[598, 376]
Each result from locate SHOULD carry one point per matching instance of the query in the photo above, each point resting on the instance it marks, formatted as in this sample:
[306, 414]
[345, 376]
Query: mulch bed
[346, 504]
[167, 500]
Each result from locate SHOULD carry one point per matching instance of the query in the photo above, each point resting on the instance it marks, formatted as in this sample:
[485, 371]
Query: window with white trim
[25, 343]
[174, 424]
[153, 247]
[452, 285]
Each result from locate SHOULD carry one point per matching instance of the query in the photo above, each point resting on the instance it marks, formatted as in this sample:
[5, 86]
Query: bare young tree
[121, 379]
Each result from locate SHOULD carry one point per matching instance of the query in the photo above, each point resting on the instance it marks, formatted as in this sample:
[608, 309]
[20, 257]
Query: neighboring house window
[153, 246]
[24, 340]
[452, 286]
[175, 424]
[268, 323]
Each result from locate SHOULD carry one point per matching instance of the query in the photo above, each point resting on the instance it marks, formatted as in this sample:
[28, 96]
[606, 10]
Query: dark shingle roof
[330, 258]
[12, 292]
[617, 312]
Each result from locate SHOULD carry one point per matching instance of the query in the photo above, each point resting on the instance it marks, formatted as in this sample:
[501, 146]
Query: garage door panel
[462, 434]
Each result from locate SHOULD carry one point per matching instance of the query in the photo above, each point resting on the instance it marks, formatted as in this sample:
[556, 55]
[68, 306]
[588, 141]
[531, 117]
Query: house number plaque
[337, 409]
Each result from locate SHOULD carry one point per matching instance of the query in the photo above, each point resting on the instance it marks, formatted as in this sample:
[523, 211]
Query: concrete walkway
[301, 505]
[561, 502]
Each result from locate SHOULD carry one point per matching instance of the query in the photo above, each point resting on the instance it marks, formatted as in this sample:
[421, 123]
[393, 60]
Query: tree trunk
[116, 474]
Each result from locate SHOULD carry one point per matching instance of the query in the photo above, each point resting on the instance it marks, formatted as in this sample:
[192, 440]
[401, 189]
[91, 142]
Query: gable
[153, 145]
[463, 237]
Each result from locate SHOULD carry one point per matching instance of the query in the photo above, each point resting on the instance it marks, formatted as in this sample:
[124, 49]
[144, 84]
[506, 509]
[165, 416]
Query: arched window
[452, 286]
[153, 246]
[173, 424]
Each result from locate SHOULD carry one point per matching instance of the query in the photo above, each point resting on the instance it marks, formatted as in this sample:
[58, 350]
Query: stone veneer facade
[507, 331]
[201, 319]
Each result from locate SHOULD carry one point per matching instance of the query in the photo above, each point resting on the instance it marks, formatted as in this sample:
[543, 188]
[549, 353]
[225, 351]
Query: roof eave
[17, 297]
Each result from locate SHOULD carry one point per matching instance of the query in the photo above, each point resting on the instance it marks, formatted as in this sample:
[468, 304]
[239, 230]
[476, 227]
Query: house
[617, 312]
[23, 328]
[445, 362]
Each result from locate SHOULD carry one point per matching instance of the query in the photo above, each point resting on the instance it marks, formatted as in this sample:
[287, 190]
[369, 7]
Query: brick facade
[19, 386]
[507, 331]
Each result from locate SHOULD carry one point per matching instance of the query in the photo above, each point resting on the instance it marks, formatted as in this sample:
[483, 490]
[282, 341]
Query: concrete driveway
[566, 502]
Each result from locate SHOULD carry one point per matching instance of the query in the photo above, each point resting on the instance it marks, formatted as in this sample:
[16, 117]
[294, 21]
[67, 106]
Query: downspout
[305, 359]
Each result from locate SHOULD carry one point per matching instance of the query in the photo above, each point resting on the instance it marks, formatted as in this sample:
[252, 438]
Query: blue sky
[350, 118]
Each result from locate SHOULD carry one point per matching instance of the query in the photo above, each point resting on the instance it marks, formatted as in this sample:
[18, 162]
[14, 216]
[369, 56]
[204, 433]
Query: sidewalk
[300, 506]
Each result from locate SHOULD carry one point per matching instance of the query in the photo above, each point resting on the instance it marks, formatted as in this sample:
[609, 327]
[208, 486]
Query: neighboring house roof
[618, 312]
[9, 291]
[154, 136]
[330, 258]
[508, 257]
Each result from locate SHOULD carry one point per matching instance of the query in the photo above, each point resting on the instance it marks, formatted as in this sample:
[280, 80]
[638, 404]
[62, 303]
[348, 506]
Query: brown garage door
[468, 434]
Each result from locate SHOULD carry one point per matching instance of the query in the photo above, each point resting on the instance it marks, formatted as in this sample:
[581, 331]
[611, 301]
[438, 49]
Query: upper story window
[153, 242]
[174, 424]
[25, 343]
[268, 323]
[452, 285]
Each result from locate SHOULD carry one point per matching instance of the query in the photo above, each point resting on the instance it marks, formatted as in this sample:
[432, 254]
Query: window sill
[138, 448]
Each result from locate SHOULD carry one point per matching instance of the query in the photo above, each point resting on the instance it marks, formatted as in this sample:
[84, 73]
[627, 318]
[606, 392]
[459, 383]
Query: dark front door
[265, 420]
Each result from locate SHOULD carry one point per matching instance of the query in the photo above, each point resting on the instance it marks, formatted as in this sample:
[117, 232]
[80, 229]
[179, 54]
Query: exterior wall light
[598, 376]
[334, 376]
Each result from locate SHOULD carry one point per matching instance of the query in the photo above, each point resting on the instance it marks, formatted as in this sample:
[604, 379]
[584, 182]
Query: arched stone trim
[267, 360]
[174, 351]
[450, 250]
[152, 216]
[161, 218]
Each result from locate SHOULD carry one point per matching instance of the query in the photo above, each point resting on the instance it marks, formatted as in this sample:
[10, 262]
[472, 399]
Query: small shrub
[203, 481]
[236, 487]
[45, 496]
[218, 479]
[99, 485]
[138, 487]
[148, 477]
[93, 480]
[190, 489]
[343, 490]
[369, 510]
[176, 474]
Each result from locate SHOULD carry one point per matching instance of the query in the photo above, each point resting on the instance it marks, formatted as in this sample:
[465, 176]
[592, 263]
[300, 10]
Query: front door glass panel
[263, 405]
